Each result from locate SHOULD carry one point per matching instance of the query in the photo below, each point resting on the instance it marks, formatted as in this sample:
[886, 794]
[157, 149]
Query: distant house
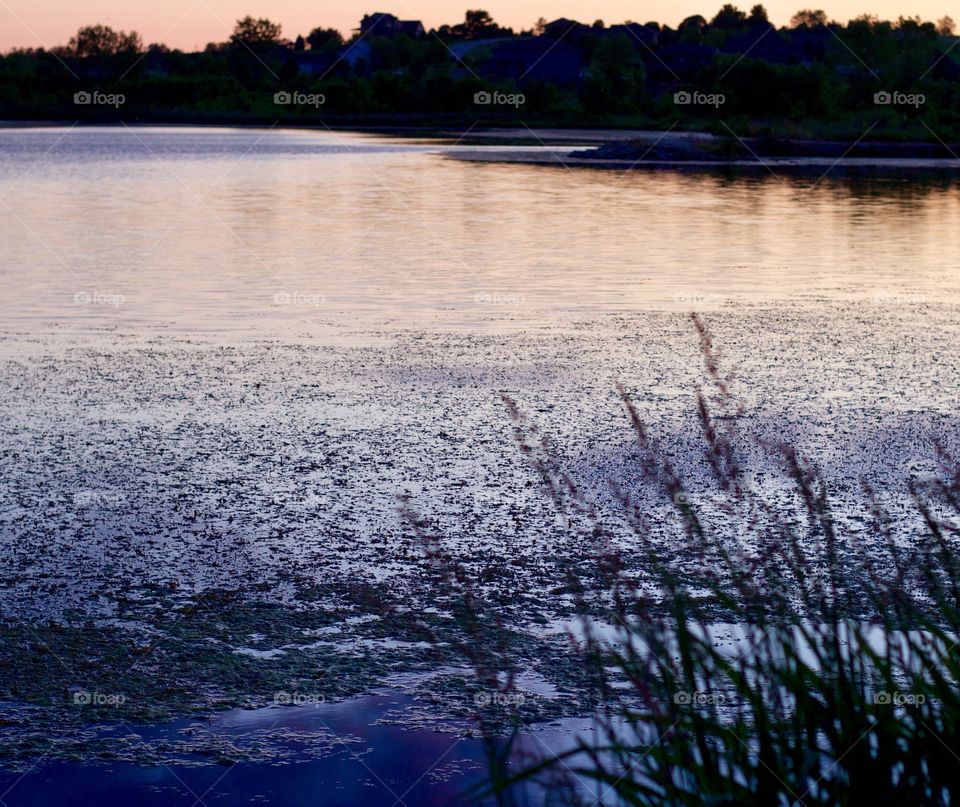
[380, 24]
[312, 62]
[522, 59]
[568, 30]
[358, 55]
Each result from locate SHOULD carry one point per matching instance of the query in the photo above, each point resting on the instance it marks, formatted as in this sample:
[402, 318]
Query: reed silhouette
[844, 689]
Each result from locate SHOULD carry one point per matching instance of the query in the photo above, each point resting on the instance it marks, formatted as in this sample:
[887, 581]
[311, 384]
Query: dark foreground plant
[843, 687]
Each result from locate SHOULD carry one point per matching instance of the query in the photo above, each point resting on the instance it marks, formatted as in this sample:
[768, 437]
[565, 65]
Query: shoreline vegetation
[845, 688]
[732, 92]
[867, 83]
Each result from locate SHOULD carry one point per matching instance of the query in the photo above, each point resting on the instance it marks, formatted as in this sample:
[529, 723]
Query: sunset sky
[190, 24]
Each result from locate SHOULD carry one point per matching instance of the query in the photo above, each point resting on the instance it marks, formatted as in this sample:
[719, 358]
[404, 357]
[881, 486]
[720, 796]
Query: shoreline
[773, 165]
[685, 151]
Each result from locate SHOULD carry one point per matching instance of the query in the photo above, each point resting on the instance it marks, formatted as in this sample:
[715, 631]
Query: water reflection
[221, 229]
[337, 755]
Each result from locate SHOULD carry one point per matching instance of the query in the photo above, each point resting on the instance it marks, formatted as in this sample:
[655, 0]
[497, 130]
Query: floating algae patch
[182, 658]
[74, 691]
[186, 527]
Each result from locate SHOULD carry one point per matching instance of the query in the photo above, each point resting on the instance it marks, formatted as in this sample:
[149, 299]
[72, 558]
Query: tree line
[814, 77]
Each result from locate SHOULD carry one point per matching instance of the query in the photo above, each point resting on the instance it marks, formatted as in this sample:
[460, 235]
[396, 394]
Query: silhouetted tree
[254, 33]
[477, 24]
[615, 79]
[915, 27]
[324, 39]
[696, 23]
[93, 41]
[809, 19]
[729, 16]
[946, 26]
[758, 17]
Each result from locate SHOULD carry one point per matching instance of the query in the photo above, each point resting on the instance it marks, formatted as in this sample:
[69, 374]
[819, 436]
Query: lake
[224, 230]
[225, 352]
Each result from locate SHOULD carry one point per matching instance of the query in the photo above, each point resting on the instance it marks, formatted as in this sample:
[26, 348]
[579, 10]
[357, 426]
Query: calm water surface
[206, 229]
